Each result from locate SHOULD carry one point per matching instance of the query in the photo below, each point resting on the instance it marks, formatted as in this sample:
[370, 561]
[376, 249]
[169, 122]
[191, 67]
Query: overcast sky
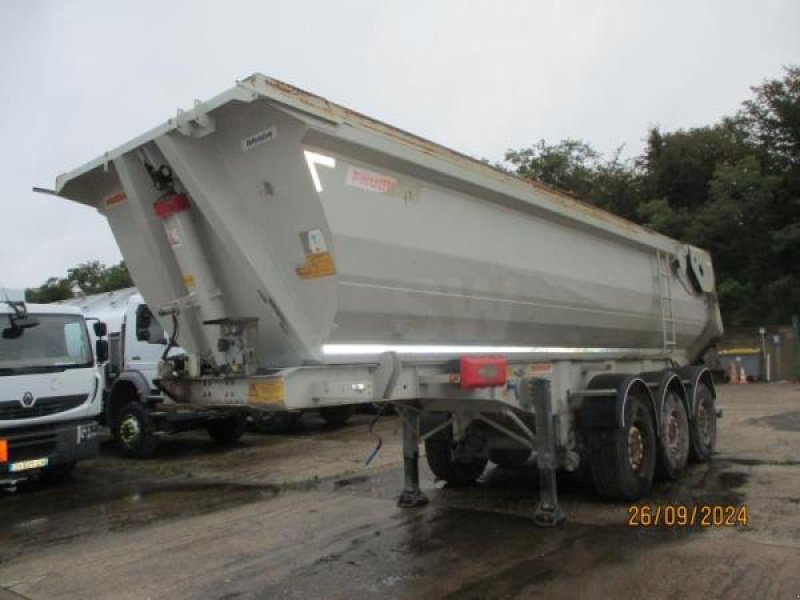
[80, 77]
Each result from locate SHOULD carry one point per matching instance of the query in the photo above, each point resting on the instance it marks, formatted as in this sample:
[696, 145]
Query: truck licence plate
[25, 465]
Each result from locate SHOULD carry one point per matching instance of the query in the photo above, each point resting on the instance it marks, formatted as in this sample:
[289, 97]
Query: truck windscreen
[56, 342]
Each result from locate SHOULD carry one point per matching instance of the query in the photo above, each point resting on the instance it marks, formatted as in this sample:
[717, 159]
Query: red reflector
[482, 371]
[171, 205]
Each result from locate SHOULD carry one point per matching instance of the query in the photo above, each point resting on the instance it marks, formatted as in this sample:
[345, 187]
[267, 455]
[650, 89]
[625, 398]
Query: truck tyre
[509, 457]
[439, 454]
[673, 445]
[228, 430]
[134, 431]
[336, 416]
[58, 473]
[623, 459]
[703, 427]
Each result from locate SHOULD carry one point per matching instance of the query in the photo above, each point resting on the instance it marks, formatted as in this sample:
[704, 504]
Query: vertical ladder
[665, 287]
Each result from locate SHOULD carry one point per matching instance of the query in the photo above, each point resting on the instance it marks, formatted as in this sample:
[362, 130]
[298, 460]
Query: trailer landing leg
[548, 513]
[412, 496]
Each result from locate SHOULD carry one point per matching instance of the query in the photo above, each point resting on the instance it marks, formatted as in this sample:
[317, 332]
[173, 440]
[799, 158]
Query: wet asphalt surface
[298, 515]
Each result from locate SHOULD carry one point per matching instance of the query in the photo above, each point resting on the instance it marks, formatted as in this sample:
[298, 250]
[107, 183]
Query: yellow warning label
[188, 280]
[317, 265]
[267, 391]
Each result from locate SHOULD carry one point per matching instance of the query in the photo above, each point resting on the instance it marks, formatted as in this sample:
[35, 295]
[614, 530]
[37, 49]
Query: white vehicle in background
[135, 409]
[50, 388]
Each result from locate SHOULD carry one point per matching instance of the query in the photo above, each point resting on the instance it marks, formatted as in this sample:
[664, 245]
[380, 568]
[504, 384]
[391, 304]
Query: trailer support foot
[412, 496]
[548, 513]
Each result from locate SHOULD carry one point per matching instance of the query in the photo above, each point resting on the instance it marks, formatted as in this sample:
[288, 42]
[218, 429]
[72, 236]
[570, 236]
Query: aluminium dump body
[328, 227]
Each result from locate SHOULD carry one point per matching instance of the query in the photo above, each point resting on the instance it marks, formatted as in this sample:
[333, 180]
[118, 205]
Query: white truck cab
[50, 388]
[133, 407]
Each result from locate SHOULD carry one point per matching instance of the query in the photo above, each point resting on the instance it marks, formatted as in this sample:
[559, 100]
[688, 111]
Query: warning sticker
[115, 199]
[268, 391]
[317, 265]
[188, 281]
[369, 180]
[258, 139]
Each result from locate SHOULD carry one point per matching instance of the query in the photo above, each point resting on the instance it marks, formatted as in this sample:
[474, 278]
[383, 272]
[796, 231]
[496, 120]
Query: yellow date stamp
[684, 515]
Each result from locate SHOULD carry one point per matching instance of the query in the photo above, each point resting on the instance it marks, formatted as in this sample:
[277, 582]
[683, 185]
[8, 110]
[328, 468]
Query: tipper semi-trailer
[305, 255]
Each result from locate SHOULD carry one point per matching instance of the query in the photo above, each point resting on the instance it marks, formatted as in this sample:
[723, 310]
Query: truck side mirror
[101, 350]
[100, 329]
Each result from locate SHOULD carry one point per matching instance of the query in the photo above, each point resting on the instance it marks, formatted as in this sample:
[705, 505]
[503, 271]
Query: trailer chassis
[554, 409]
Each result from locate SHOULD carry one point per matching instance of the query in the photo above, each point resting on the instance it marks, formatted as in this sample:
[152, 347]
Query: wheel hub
[673, 433]
[635, 447]
[129, 430]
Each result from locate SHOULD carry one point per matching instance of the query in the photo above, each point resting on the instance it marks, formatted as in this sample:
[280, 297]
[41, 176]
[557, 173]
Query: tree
[773, 118]
[91, 277]
[732, 188]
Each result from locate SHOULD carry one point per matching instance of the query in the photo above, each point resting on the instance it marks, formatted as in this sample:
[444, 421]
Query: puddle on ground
[788, 421]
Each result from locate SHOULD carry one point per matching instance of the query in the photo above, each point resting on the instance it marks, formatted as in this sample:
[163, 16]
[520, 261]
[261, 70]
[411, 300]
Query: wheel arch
[691, 378]
[664, 382]
[130, 386]
[597, 411]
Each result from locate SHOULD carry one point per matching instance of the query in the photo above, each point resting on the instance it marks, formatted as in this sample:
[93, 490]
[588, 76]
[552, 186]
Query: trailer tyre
[623, 459]
[336, 416]
[228, 430]
[509, 458]
[134, 431]
[703, 427]
[441, 461]
[673, 447]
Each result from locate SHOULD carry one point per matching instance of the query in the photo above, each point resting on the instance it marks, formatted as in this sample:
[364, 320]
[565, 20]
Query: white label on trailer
[316, 242]
[174, 236]
[257, 139]
[369, 180]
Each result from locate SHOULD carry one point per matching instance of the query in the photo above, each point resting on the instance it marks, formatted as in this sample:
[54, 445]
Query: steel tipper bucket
[273, 210]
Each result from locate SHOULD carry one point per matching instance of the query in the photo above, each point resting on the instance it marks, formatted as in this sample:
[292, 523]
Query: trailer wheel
[509, 458]
[336, 416]
[703, 427]
[673, 447]
[622, 460]
[446, 467]
[134, 431]
[228, 430]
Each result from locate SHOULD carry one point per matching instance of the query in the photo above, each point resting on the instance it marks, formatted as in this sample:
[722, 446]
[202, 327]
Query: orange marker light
[3, 451]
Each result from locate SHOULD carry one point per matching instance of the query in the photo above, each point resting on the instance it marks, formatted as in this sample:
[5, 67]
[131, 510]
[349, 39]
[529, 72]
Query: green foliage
[87, 278]
[732, 188]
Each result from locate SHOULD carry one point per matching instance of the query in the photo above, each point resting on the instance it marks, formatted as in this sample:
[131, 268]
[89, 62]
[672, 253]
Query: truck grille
[11, 410]
[26, 446]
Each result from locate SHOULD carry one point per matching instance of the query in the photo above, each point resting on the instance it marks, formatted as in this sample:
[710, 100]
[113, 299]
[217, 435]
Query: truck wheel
[58, 473]
[439, 454]
[336, 416]
[703, 428]
[228, 430]
[622, 460]
[673, 446]
[134, 431]
[509, 458]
